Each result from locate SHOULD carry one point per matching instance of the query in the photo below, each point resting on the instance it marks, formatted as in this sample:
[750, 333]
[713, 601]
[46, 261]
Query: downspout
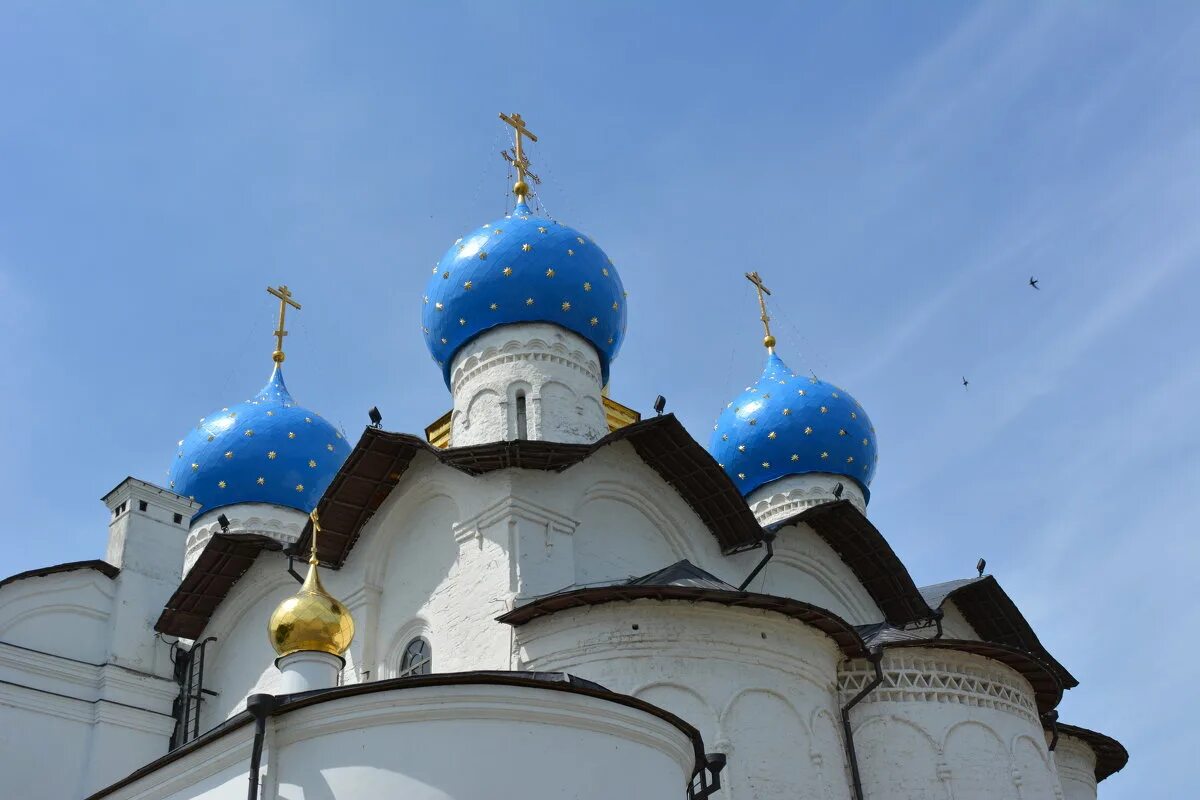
[768, 539]
[1051, 716]
[876, 658]
[261, 706]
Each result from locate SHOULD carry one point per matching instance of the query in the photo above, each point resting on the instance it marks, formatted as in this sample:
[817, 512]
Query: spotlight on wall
[376, 417]
[981, 565]
[223, 521]
[837, 491]
[660, 403]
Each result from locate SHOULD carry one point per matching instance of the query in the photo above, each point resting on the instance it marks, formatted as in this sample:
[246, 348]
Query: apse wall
[1076, 766]
[945, 723]
[760, 687]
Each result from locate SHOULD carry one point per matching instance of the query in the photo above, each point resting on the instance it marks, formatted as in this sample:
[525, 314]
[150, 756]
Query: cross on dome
[516, 156]
[768, 340]
[285, 300]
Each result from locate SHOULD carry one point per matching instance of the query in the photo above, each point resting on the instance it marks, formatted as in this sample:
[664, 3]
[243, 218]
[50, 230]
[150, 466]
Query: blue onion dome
[789, 424]
[265, 450]
[523, 268]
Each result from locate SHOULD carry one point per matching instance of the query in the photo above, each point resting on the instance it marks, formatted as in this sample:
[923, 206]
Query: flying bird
[1034, 283]
[965, 382]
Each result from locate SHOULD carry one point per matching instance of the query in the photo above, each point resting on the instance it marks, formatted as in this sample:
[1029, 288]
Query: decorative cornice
[470, 365]
[511, 507]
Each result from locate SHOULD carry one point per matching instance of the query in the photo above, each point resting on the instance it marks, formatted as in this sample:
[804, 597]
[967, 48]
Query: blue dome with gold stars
[265, 450]
[523, 268]
[788, 424]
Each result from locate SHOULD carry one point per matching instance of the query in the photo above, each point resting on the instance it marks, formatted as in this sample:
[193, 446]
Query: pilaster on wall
[538, 540]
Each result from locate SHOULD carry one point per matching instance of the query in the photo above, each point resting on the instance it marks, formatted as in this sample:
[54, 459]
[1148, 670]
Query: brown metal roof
[862, 547]
[103, 567]
[380, 459]
[995, 617]
[1047, 689]
[827, 622]
[1111, 755]
[224, 560]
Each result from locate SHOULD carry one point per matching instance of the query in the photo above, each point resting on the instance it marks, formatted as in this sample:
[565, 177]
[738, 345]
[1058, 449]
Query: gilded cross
[316, 528]
[285, 300]
[516, 156]
[768, 340]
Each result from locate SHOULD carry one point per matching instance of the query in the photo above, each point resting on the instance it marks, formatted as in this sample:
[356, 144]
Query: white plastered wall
[1076, 766]
[792, 494]
[549, 372]
[759, 686]
[948, 724]
[284, 525]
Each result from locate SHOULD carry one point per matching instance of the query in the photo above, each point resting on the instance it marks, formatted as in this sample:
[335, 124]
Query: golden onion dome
[312, 619]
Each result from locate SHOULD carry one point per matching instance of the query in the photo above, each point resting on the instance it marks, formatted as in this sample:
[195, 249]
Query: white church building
[543, 597]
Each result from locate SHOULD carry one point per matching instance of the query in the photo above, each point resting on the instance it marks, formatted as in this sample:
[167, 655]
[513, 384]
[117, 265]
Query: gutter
[1051, 717]
[768, 538]
[261, 706]
[876, 659]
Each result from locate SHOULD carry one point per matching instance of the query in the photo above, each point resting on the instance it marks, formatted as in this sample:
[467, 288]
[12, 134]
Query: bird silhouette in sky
[966, 382]
[1034, 283]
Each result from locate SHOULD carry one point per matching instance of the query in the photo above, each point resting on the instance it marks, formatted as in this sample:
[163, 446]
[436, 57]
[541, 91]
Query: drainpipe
[937, 618]
[261, 706]
[1051, 716]
[876, 659]
[768, 539]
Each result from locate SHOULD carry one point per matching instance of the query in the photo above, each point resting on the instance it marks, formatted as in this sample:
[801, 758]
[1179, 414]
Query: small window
[522, 423]
[142, 505]
[418, 658]
[179, 519]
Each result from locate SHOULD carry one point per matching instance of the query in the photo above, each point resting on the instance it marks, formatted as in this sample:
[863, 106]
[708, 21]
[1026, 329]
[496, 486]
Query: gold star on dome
[468, 285]
[526, 247]
[866, 442]
[570, 252]
[229, 454]
[483, 255]
[291, 435]
[824, 455]
[541, 229]
[741, 448]
[550, 272]
[220, 484]
[834, 395]
[337, 434]
[261, 480]
[497, 232]
[312, 463]
[211, 437]
[494, 306]
[753, 421]
[462, 320]
[271, 454]
[795, 457]
[172, 485]
[853, 415]
[587, 287]
[787, 411]
[771, 435]
[566, 305]
[580, 240]
[766, 464]
[438, 306]
[445, 340]
[594, 321]
[842, 432]
[195, 466]
[616, 306]
[507, 272]
[610, 340]
[824, 410]
[724, 437]
[604, 272]
[329, 447]
[849, 459]
[528, 301]
[446, 274]
[299, 487]
[308, 419]
[249, 432]
[741, 476]
[800, 392]
[807, 431]
[270, 413]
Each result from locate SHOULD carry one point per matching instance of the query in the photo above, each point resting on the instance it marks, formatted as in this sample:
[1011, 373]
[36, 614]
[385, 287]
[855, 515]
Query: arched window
[522, 421]
[417, 658]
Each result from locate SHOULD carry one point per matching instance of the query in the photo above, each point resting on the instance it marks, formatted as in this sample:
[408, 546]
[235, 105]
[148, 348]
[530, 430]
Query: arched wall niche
[622, 533]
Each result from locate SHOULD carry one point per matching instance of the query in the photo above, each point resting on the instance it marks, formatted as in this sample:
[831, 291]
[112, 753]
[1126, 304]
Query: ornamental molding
[532, 349]
[792, 494]
[282, 524]
[512, 508]
[942, 677]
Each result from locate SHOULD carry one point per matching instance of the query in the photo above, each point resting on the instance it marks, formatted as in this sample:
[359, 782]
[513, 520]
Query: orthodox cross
[516, 156]
[768, 340]
[316, 526]
[285, 300]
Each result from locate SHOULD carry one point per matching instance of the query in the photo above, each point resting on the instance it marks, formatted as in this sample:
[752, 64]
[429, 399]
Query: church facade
[544, 596]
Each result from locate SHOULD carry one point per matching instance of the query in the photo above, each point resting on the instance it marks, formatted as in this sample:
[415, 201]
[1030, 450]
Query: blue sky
[895, 171]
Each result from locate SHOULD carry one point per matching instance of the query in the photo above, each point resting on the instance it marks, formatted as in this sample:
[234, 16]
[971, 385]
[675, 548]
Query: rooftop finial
[768, 340]
[316, 521]
[285, 300]
[516, 156]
